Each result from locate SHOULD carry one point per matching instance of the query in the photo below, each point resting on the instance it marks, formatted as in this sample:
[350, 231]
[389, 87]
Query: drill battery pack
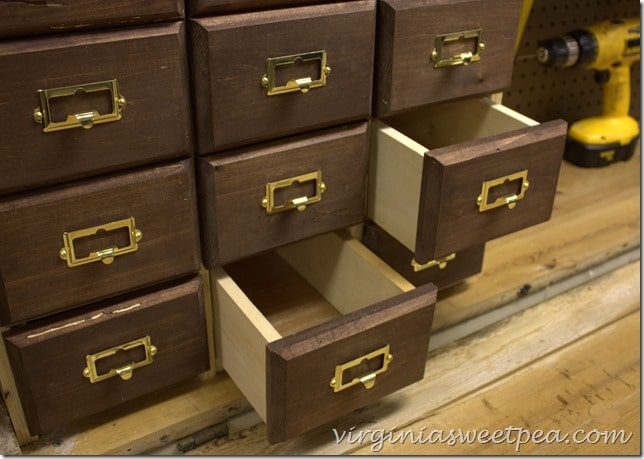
[585, 155]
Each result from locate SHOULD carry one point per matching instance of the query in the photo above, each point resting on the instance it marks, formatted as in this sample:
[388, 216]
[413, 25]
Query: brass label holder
[86, 120]
[124, 372]
[461, 58]
[440, 262]
[107, 255]
[304, 84]
[300, 203]
[368, 380]
[510, 200]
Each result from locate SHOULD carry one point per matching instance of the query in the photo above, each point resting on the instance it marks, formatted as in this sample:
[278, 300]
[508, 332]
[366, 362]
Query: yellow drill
[609, 48]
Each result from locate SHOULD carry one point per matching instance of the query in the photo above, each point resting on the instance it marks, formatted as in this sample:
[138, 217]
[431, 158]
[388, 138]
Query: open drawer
[453, 176]
[317, 329]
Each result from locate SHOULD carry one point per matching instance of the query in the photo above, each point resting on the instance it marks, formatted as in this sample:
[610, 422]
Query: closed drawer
[317, 329]
[206, 7]
[258, 198]
[468, 262]
[76, 244]
[107, 354]
[265, 74]
[449, 177]
[432, 50]
[129, 86]
[29, 18]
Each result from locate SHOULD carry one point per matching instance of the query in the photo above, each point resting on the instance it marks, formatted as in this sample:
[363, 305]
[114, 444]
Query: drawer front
[107, 354]
[107, 101]
[443, 273]
[258, 198]
[205, 7]
[309, 313]
[120, 233]
[347, 363]
[266, 74]
[432, 50]
[483, 189]
[29, 18]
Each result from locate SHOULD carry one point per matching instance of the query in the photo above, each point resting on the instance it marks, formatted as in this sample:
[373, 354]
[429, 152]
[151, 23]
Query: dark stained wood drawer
[129, 84]
[20, 18]
[261, 75]
[120, 232]
[434, 50]
[261, 197]
[468, 262]
[449, 177]
[207, 7]
[106, 354]
[317, 329]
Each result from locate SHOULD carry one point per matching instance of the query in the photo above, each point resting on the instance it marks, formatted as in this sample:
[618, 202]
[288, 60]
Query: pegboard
[571, 93]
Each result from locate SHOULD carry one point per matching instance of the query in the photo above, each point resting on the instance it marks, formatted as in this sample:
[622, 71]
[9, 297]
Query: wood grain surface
[150, 65]
[591, 225]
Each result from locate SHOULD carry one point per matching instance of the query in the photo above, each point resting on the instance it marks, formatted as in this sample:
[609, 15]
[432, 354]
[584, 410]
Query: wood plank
[148, 423]
[469, 365]
[574, 395]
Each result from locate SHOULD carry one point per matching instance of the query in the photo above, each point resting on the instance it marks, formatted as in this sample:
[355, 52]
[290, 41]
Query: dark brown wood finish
[300, 367]
[229, 61]
[22, 18]
[467, 262]
[36, 281]
[232, 186]
[48, 356]
[407, 29]
[150, 66]
[449, 218]
[206, 7]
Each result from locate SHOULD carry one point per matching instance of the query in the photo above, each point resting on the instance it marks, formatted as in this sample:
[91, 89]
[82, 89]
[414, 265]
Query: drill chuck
[576, 47]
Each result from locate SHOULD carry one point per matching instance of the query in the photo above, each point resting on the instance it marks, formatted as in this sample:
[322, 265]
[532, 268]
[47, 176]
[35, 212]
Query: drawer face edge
[314, 376]
[27, 18]
[49, 357]
[480, 190]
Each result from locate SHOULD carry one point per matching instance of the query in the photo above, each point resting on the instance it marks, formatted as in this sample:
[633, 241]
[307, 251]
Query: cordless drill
[609, 48]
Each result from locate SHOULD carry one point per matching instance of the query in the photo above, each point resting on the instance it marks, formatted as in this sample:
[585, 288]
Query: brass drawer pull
[124, 372]
[367, 380]
[440, 262]
[304, 84]
[106, 255]
[458, 59]
[300, 203]
[510, 200]
[86, 120]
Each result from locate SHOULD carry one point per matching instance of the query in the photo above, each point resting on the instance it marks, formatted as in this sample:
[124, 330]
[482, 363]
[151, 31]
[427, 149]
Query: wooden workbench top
[545, 338]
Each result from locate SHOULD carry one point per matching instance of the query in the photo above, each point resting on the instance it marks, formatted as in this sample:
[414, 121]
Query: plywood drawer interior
[319, 297]
[475, 138]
